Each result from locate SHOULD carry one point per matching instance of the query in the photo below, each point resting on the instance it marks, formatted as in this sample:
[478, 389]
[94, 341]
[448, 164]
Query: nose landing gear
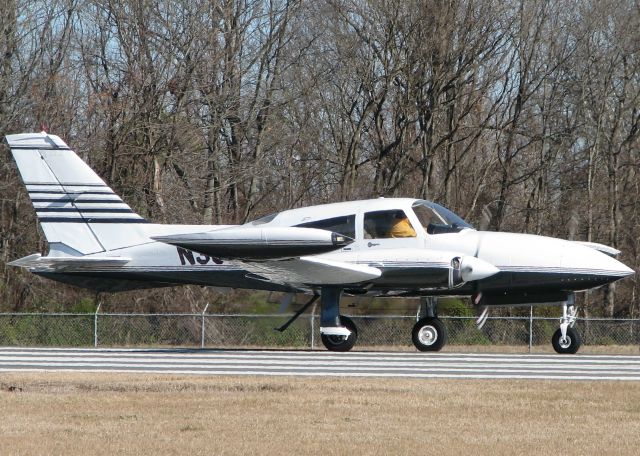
[566, 339]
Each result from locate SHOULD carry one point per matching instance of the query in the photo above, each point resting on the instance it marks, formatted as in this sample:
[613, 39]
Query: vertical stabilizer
[78, 212]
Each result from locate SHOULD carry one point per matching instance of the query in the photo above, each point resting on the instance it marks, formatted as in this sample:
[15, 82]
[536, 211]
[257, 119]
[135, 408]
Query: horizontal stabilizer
[38, 262]
[240, 243]
[314, 271]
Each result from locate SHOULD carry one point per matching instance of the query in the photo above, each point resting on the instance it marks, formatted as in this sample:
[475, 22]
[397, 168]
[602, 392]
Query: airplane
[393, 247]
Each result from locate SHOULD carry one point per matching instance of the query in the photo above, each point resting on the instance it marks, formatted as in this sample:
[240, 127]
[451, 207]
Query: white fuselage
[420, 265]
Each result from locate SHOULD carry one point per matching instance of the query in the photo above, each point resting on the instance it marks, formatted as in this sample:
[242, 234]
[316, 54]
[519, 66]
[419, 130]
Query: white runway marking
[322, 363]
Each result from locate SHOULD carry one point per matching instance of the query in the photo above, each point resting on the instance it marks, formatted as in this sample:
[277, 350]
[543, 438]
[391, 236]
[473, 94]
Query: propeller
[485, 219]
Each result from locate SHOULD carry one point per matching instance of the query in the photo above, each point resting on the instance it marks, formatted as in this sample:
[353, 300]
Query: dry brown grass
[81, 414]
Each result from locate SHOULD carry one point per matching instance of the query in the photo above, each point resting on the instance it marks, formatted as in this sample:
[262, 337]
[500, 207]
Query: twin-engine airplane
[380, 247]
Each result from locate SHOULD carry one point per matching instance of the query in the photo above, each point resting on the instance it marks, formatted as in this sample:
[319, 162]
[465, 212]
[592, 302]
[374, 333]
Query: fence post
[95, 326]
[202, 327]
[313, 323]
[530, 327]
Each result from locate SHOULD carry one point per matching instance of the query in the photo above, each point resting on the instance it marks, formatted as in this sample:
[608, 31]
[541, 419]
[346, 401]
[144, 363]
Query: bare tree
[519, 115]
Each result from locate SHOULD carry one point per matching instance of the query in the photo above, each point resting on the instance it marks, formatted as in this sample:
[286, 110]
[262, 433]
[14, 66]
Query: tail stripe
[90, 217]
[82, 208]
[43, 197]
[57, 185]
[83, 200]
[36, 193]
[90, 220]
[65, 202]
[39, 146]
[71, 188]
[82, 205]
[74, 210]
[55, 188]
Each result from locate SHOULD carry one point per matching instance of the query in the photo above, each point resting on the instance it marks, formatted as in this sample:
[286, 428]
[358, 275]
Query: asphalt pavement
[323, 363]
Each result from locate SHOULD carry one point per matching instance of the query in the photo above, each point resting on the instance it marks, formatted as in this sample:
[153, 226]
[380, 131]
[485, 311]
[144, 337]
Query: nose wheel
[566, 339]
[567, 344]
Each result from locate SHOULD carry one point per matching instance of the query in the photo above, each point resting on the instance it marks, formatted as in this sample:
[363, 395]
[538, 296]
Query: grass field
[104, 414]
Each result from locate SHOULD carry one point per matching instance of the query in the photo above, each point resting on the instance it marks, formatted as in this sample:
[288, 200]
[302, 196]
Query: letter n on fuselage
[186, 256]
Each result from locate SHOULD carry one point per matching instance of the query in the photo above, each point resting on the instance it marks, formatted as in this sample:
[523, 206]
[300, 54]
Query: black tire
[341, 343]
[568, 346]
[429, 334]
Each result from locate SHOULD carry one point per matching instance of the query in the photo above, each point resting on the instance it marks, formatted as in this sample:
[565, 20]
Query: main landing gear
[339, 342]
[339, 333]
[428, 334]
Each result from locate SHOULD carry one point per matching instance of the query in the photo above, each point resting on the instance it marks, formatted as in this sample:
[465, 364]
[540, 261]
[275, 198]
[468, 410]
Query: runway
[322, 363]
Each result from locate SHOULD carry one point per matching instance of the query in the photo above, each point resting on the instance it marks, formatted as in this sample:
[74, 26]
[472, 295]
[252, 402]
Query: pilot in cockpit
[400, 226]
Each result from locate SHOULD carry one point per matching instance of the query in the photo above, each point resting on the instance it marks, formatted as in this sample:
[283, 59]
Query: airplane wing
[279, 254]
[313, 271]
[38, 262]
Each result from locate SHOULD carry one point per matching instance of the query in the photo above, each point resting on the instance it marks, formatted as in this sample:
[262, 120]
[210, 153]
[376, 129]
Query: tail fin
[78, 212]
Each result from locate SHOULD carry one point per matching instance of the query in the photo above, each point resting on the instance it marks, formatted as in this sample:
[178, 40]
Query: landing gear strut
[566, 339]
[429, 334]
[338, 333]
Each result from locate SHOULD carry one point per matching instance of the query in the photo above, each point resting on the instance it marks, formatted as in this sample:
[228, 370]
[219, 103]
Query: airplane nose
[587, 259]
[549, 262]
[622, 269]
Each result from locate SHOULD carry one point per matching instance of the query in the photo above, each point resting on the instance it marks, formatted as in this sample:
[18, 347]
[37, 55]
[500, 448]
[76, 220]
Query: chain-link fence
[237, 331]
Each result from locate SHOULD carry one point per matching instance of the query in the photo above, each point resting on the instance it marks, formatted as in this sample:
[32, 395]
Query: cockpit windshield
[263, 220]
[437, 219]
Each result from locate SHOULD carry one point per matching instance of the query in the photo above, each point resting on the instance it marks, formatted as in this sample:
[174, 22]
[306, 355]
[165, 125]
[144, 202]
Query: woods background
[518, 115]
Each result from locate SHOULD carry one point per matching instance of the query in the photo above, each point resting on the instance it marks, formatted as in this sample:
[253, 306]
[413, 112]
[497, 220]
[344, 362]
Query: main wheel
[568, 345]
[341, 343]
[429, 334]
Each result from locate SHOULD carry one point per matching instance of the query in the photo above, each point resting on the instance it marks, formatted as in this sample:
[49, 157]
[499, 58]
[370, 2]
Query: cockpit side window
[345, 225]
[387, 224]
